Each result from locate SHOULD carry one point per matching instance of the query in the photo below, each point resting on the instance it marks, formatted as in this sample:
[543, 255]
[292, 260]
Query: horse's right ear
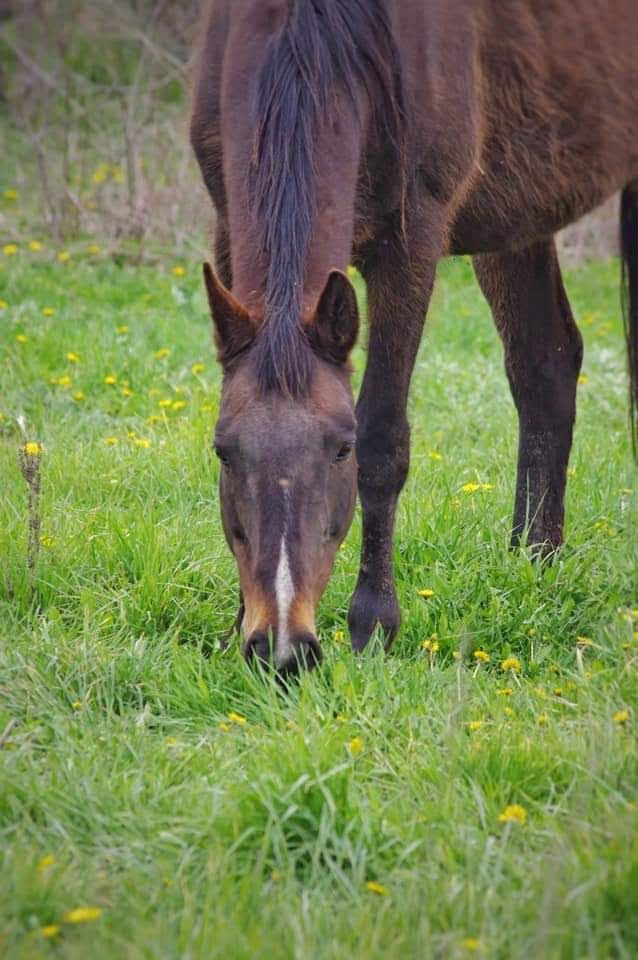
[232, 325]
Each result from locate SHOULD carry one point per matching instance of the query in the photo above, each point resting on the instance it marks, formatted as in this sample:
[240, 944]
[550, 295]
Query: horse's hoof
[370, 608]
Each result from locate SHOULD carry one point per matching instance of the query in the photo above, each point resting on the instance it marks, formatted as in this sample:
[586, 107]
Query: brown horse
[391, 133]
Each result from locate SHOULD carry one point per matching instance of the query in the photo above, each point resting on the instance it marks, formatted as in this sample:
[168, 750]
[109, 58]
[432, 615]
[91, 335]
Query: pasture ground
[187, 808]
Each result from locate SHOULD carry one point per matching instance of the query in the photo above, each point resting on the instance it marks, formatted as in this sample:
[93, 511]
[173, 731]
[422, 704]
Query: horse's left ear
[231, 321]
[335, 326]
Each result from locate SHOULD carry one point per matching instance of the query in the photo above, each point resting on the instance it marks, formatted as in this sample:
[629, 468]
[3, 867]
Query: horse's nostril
[306, 655]
[258, 647]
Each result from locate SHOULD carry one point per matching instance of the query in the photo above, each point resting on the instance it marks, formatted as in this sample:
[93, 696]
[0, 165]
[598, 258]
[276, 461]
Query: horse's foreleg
[543, 356]
[399, 287]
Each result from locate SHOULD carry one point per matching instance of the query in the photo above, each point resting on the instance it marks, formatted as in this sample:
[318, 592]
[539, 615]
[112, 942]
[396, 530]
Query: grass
[359, 815]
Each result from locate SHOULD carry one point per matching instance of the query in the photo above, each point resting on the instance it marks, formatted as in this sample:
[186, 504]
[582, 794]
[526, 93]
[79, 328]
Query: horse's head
[288, 472]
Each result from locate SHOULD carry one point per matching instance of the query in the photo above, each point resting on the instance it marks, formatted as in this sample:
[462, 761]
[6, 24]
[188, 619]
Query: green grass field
[188, 808]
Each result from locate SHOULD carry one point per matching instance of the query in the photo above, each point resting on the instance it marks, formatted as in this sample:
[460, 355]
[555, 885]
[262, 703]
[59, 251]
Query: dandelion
[432, 644]
[171, 741]
[427, 593]
[48, 311]
[355, 746]
[434, 455]
[178, 404]
[21, 338]
[110, 379]
[511, 663]
[558, 691]
[178, 271]
[142, 442]
[237, 718]
[162, 353]
[471, 943]
[35, 246]
[584, 642]
[582, 380]
[339, 636]
[482, 656]
[11, 194]
[32, 448]
[474, 487]
[45, 862]
[542, 719]
[73, 357]
[121, 330]
[224, 727]
[378, 888]
[504, 692]
[82, 914]
[100, 173]
[49, 931]
[508, 712]
[10, 249]
[198, 368]
[64, 256]
[456, 654]
[46, 541]
[475, 725]
[165, 403]
[513, 813]
[111, 441]
[77, 704]
[3, 304]
[94, 249]
[64, 381]
[621, 716]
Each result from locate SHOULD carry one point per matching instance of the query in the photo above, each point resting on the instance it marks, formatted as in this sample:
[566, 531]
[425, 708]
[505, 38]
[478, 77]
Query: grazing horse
[389, 134]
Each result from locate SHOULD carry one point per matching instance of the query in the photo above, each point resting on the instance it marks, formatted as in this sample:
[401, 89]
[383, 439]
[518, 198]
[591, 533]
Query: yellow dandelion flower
[165, 402]
[49, 931]
[32, 448]
[434, 455]
[126, 392]
[513, 813]
[121, 330]
[10, 249]
[355, 746]
[224, 727]
[482, 656]
[558, 691]
[46, 541]
[110, 379]
[111, 441]
[79, 396]
[621, 716]
[475, 725]
[504, 692]
[178, 404]
[153, 419]
[377, 888]
[11, 194]
[73, 357]
[100, 174]
[170, 741]
[237, 718]
[93, 249]
[21, 338]
[339, 636]
[64, 256]
[542, 719]
[162, 353]
[178, 271]
[65, 381]
[431, 644]
[471, 943]
[340, 718]
[511, 663]
[474, 487]
[3, 304]
[142, 442]
[35, 246]
[583, 380]
[198, 368]
[48, 311]
[508, 712]
[82, 914]
[77, 704]
[46, 861]
[456, 654]
[427, 593]
[584, 642]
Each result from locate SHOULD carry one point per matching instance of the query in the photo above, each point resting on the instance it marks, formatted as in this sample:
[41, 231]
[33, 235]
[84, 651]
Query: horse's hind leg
[543, 355]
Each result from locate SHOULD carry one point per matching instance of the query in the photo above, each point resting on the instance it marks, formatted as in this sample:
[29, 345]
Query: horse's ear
[232, 326]
[335, 326]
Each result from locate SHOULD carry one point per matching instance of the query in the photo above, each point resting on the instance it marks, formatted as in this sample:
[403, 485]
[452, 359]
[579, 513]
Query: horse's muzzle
[303, 652]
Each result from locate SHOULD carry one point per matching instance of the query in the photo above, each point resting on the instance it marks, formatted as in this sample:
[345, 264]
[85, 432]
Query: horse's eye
[344, 453]
[221, 456]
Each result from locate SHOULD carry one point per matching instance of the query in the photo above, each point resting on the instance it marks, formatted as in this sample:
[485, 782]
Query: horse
[390, 134]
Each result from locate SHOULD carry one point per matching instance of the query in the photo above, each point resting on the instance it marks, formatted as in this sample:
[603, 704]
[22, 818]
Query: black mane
[322, 45]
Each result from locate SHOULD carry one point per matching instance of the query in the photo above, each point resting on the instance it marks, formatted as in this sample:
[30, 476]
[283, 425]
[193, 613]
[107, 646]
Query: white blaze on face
[284, 591]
